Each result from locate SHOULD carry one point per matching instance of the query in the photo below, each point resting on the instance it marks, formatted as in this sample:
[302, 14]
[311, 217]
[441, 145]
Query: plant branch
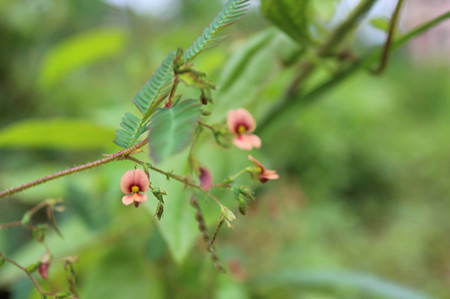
[308, 68]
[387, 45]
[39, 289]
[10, 224]
[113, 157]
[286, 107]
[167, 174]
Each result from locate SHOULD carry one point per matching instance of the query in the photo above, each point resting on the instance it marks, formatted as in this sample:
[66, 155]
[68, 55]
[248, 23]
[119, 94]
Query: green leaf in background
[121, 273]
[63, 134]
[380, 23]
[231, 13]
[178, 226]
[171, 129]
[80, 50]
[367, 284]
[290, 16]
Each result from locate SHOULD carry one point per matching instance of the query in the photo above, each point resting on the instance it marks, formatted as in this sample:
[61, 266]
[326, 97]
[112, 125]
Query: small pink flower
[241, 123]
[205, 178]
[134, 183]
[263, 174]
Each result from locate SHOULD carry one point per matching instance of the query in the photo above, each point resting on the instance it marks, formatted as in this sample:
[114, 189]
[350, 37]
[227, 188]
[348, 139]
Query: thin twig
[39, 289]
[11, 224]
[167, 174]
[113, 157]
[387, 45]
[308, 68]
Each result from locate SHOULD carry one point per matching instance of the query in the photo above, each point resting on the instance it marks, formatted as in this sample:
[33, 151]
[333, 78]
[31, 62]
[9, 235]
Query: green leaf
[147, 100]
[2, 261]
[121, 273]
[171, 129]
[380, 23]
[177, 225]
[61, 134]
[290, 16]
[80, 50]
[365, 283]
[230, 13]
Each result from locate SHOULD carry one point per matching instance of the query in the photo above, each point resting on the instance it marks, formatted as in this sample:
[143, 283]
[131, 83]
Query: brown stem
[172, 93]
[387, 45]
[113, 157]
[167, 174]
[39, 289]
[30, 213]
[11, 224]
[206, 126]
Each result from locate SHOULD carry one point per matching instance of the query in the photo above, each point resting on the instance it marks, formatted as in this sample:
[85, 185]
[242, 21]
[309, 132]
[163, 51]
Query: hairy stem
[171, 175]
[113, 157]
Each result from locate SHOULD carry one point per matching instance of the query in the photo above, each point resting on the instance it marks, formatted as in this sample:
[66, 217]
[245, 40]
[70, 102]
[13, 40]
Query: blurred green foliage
[361, 209]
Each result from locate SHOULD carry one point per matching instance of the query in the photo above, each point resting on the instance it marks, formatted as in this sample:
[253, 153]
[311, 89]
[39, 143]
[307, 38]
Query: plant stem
[167, 174]
[308, 68]
[387, 45]
[113, 157]
[39, 289]
[206, 126]
[10, 224]
[288, 106]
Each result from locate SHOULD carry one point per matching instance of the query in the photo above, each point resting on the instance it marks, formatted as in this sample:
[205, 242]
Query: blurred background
[362, 206]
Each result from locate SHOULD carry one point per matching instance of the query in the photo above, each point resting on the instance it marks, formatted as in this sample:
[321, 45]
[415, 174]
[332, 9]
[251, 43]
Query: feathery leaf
[147, 100]
[231, 13]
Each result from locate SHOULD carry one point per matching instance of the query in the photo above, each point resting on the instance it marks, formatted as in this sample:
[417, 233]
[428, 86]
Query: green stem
[340, 76]
[308, 68]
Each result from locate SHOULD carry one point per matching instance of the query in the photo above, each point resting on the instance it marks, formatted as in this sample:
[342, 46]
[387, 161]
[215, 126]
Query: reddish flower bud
[206, 179]
[43, 270]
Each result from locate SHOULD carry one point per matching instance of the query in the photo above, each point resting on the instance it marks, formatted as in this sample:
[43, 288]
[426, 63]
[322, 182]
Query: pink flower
[263, 174]
[206, 179]
[241, 123]
[134, 183]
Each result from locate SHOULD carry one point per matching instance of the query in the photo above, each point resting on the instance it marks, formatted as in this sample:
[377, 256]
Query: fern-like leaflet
[147, 100]
[230, 13]
[158, 87]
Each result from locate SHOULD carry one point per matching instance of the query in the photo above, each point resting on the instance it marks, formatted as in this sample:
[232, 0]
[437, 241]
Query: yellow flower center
[135, 189]
[241, 129]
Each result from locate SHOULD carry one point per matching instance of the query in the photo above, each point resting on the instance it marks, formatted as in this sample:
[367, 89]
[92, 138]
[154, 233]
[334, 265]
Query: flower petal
[263, 169]
[139, 197]
[268, 175]
[141, 180]
[134, 178]
[247, 141]
[127, 181]
[240, 117]
[127, 200]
